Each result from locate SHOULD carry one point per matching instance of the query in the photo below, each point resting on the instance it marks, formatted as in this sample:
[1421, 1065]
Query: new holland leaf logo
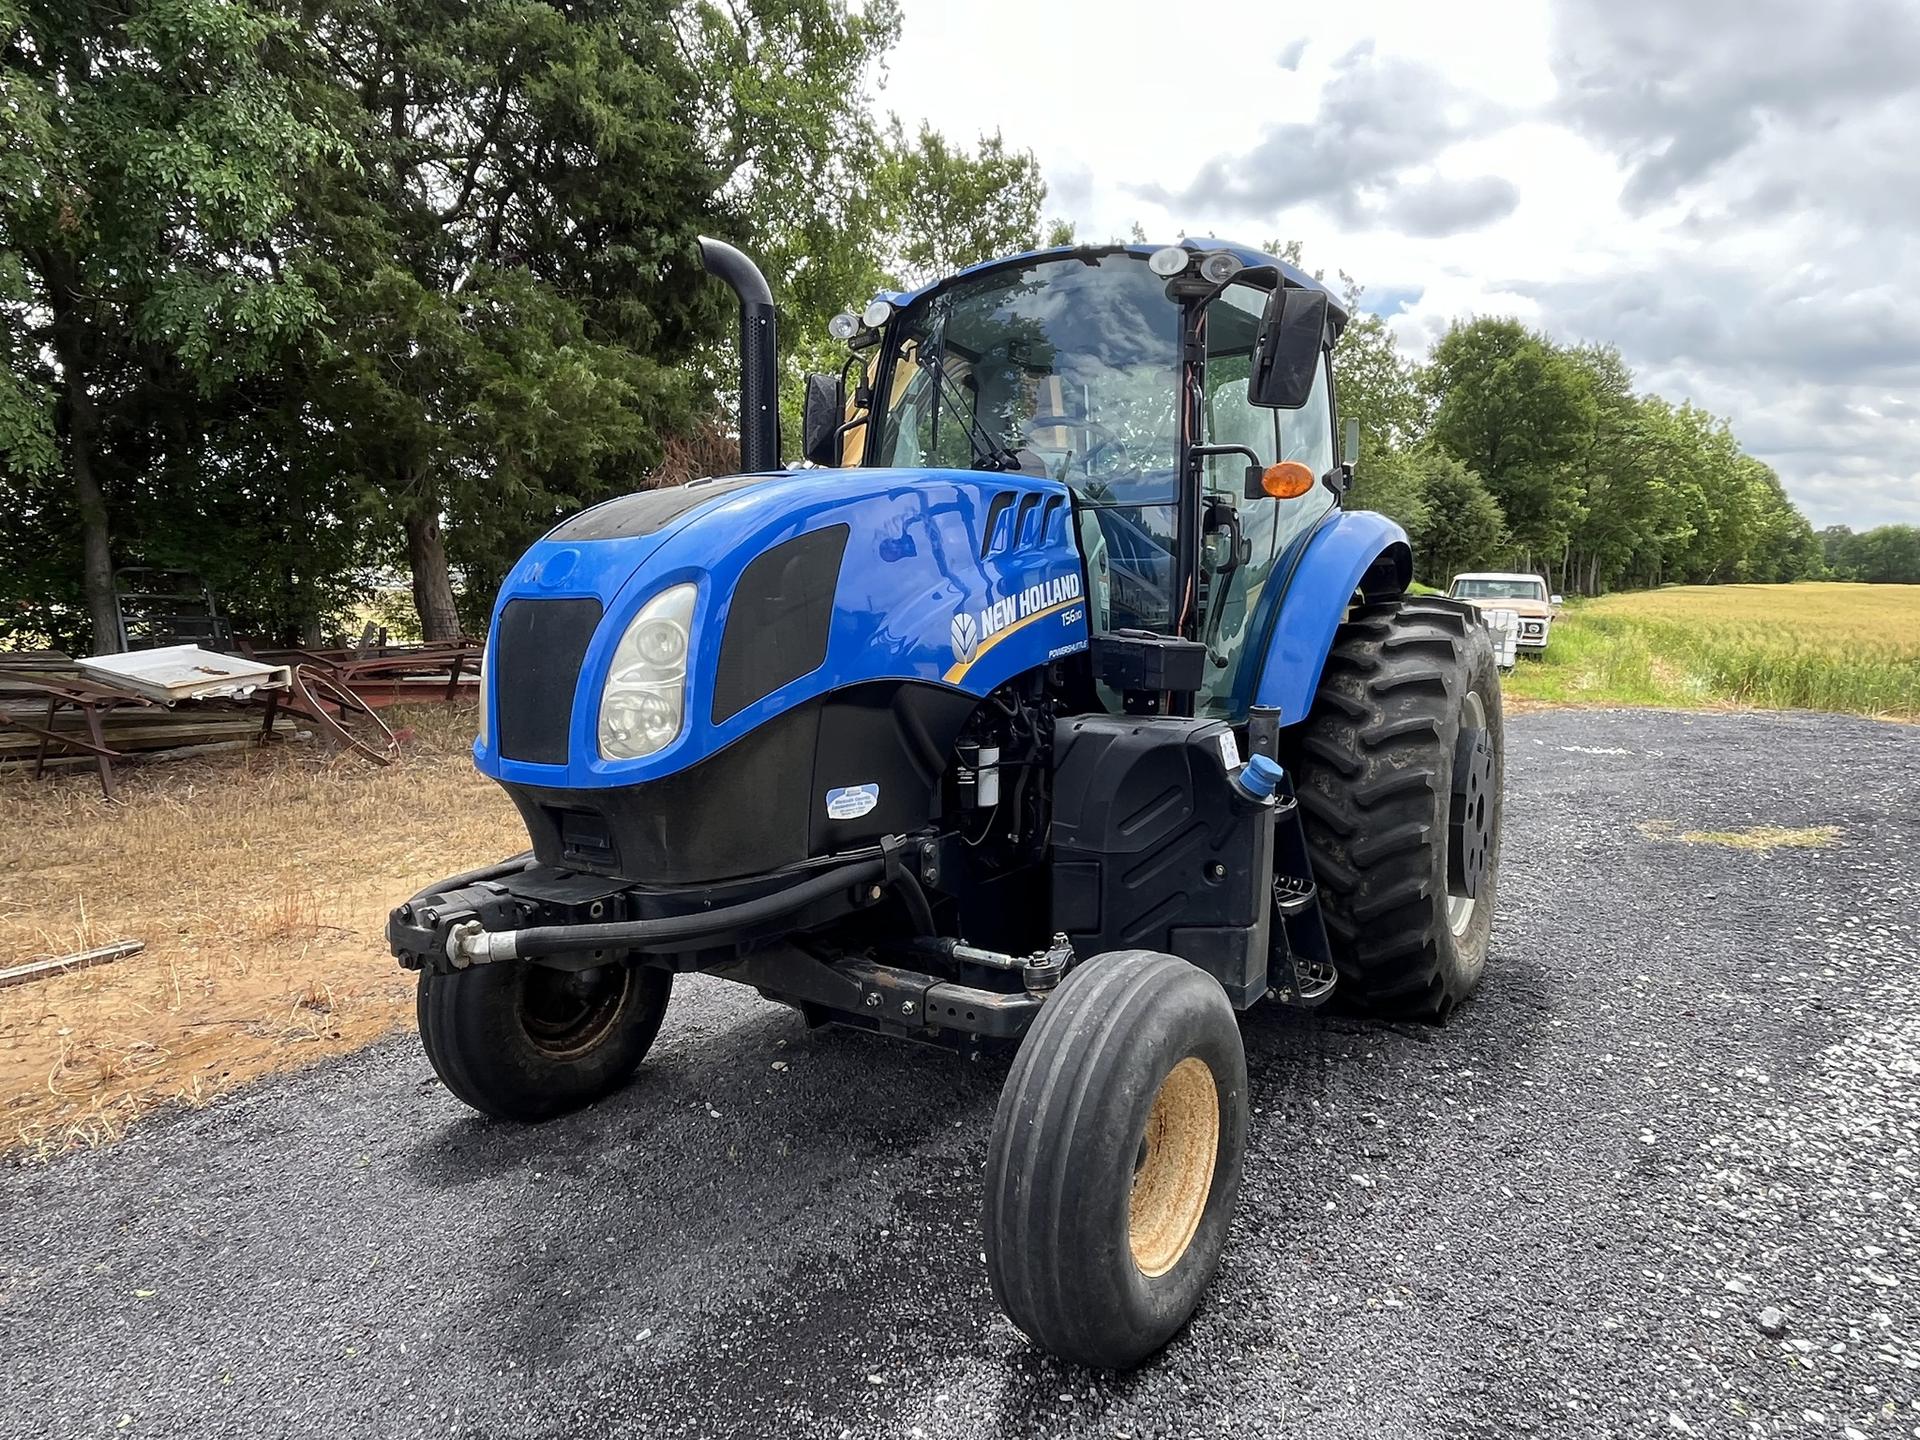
[966, 636]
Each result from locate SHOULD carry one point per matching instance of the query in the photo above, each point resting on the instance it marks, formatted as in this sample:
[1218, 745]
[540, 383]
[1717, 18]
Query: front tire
[521, 1041]
[1115, 1158]
[1399, 770]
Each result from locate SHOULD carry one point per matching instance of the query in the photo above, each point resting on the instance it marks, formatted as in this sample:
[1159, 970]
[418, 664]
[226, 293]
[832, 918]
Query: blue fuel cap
[1259, 777]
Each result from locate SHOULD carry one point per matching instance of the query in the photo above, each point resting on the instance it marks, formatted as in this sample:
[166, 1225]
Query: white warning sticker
[1229, 751]
[850, 802]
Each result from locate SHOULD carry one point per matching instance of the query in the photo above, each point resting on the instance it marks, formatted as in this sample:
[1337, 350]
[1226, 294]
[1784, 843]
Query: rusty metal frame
[309, 693]
[91, 701]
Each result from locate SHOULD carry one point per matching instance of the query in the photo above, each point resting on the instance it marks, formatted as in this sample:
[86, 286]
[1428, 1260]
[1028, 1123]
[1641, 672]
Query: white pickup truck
[1524, 597]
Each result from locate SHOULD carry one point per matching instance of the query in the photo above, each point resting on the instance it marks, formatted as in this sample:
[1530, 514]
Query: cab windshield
[1066, 367]
[1499, 590]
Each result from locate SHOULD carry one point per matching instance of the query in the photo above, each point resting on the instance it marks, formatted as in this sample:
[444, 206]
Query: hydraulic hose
[540, 940]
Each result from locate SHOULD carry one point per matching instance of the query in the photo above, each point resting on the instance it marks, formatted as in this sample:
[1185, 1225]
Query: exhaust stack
[759, 374]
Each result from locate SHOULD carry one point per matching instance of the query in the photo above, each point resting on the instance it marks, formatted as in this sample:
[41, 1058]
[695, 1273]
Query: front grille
[537, 653]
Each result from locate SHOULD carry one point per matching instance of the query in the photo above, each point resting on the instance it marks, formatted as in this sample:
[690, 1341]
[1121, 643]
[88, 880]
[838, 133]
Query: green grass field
[1811, 646]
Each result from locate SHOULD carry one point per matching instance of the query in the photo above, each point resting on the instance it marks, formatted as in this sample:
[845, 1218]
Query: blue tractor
[1056, 706]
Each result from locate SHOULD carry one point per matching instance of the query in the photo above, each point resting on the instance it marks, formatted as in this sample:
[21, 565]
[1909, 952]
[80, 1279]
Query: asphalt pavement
[1658, 1179]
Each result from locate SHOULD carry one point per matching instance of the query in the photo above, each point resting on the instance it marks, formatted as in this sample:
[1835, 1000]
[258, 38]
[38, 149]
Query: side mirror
[820, 417]
[1286, 358]
[1350, 442]
[1556, 600]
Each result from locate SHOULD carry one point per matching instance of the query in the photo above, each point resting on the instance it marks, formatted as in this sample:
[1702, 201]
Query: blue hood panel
[925, 593]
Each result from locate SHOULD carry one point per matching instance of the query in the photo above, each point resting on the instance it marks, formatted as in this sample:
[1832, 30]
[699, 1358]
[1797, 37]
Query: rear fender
[1352, 553]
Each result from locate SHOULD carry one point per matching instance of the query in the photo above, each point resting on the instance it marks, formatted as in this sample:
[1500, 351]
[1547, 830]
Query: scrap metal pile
[174, 700]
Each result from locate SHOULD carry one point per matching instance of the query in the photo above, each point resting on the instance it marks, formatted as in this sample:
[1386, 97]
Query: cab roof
[1499, 575]
[1246, 254]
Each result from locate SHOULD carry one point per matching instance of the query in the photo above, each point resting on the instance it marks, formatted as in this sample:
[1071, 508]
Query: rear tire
[1115, 1158]
[1399, 771]
[527, 1042]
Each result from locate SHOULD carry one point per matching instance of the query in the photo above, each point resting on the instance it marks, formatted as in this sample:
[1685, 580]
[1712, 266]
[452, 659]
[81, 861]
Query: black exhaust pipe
[759, 366]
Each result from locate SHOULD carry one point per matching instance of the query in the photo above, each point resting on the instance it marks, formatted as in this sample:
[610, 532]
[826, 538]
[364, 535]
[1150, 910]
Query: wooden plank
[16, 747]
[63, 964]
[144, 737]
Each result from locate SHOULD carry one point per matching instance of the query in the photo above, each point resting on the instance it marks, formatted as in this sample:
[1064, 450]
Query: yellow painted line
[959, 671]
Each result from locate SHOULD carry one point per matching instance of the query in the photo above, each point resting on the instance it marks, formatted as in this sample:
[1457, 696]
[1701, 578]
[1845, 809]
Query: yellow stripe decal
[959, 672]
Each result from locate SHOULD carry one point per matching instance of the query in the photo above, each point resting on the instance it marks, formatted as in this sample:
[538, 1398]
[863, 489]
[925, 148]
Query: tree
[791, 143]
[942, 207]
[1629, 514]
[1464, 528]
[145, 150]
[1377, 387]
[1516, 411]
[1390, 480]
[508, 265]
[1889, 555]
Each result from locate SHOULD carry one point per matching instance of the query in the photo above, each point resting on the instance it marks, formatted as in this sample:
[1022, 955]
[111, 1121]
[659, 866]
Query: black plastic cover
[646, 511]
[1140, 661]
[778, 619]
[1155, 848]
[540, 645]
[762, 803]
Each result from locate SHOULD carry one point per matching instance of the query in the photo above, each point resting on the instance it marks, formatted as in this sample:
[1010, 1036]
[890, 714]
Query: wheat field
[1808, 646]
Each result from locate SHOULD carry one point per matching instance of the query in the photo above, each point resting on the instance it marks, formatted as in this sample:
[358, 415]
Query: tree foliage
[508, 267]
[1888, 555]
[145, 156]
[942, 206]
[1594, 485]
[1463, 522]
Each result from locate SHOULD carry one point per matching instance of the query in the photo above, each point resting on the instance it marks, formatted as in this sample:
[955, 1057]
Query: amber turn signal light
[1288, 480]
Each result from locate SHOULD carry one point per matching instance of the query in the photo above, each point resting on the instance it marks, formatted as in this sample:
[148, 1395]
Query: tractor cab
[1129, 375]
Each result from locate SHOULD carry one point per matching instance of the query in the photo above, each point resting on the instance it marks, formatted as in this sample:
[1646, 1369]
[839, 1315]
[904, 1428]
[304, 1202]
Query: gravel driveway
[1687, 1096]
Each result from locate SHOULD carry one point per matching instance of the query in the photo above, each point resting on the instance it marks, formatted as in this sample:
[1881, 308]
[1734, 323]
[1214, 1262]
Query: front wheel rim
[1173, 1173]
[566, 1013]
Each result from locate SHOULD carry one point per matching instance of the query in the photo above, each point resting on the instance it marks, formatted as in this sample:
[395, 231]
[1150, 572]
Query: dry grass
[260, 882]
[1761, 838]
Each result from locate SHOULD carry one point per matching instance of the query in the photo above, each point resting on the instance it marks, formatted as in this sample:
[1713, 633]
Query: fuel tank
[842, 626]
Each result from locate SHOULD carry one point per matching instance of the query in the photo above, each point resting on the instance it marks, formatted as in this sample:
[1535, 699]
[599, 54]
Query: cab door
[1240, 579]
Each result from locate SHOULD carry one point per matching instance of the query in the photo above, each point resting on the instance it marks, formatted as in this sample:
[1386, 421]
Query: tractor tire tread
[1373, 772]
[1060, 1284]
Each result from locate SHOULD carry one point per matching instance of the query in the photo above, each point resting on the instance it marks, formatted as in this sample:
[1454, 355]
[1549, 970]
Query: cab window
[1237, 602]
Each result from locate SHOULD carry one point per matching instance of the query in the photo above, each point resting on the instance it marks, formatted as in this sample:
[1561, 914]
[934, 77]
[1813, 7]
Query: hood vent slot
[1018, 522]
[778, 619]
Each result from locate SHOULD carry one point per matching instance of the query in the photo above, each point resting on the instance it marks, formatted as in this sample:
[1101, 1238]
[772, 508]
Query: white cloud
[1724, 190]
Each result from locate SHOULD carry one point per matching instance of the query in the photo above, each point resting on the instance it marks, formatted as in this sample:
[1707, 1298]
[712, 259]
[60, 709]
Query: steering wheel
[1121, 462]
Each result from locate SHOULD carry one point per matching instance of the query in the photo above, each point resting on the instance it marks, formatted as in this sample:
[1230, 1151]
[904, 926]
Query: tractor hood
[807, 584]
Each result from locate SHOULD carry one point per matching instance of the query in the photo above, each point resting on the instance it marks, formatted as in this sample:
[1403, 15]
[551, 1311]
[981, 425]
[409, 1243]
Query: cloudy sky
[1727, 190]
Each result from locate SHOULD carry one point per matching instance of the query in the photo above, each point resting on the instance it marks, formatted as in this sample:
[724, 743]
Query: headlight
[645, 699]
[1169, 260]
[1220, 267]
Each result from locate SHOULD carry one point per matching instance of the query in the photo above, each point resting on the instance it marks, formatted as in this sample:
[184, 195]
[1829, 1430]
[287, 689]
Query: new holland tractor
[1057, 706]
